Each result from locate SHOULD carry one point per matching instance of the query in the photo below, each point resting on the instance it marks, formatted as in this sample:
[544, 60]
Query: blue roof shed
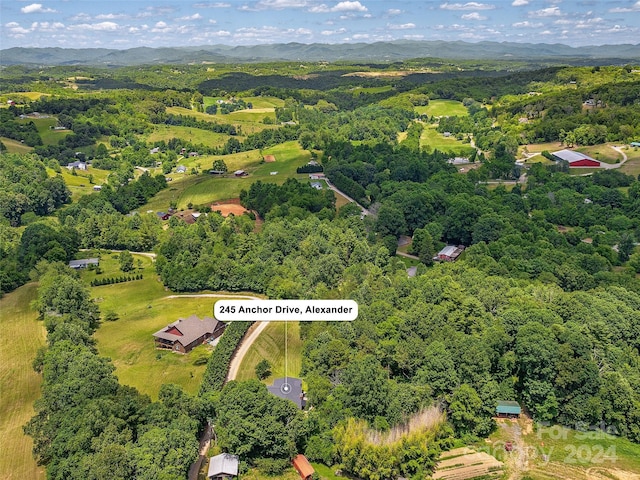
[508, 409]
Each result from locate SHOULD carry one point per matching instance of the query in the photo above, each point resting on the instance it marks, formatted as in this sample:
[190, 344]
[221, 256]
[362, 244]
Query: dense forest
[543, 306]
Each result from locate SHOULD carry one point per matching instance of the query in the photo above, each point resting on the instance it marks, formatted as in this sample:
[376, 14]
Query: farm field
[433, 140]
[270, 345]
[204, 188]
[19, 383]
[257, 102]
[443, 108]
[465, 463]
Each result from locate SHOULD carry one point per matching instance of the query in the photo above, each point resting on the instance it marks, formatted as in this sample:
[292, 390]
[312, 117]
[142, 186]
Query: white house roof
[223, 464]
[571, 156]
[449, 250]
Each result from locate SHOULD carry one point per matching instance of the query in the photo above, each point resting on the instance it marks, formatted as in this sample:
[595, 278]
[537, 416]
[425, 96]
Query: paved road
[207, 435]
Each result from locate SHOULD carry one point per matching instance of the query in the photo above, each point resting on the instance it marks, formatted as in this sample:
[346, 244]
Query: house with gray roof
[83, 263]
[185, 334]
[223, 467]
[289, 388]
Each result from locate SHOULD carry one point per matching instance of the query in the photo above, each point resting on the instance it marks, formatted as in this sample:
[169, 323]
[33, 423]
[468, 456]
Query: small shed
[303, 467]
[240, 173]
[508, 409]
[223, 467]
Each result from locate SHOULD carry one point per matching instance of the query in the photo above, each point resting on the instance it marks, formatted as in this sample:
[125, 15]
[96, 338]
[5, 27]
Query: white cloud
[413, 37]
[347, 6]
[212, 21]
[394, 11]
[527, 24]
[361, 36]
[633, 8]
[404, 26]
[36, 8]
[520, 3]
[212, 5]
[473, 16]
[110, 16]
[280, 4]
[195, 16]
[467, 6]
[97, 27]
[340, 31]
[161, 27]
[546, 12]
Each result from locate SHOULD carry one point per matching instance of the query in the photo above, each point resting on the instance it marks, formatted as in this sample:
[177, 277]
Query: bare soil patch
[465, 463]
[226, 207]
[269, 158]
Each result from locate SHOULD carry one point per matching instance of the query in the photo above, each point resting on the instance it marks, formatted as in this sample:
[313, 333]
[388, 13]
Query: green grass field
[79, 184]
[45, 129]
[604, 153]
[204, 188]
[14, 146]
[143, 309]
[538, 159]
[632, 165]
[19, 384]
[443, 108]
[431, 140]
[270, 345]
[257, 102]
[248, 125]
[189, 134]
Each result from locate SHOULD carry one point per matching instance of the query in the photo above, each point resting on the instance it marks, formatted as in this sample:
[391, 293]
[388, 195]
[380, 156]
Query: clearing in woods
[19, 383]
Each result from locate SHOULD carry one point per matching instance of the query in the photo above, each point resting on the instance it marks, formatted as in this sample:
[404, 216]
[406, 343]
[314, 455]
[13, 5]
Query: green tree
[263, 369]
[126, 261]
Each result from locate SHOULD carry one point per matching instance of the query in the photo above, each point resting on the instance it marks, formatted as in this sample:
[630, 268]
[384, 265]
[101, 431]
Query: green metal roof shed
[508, 408]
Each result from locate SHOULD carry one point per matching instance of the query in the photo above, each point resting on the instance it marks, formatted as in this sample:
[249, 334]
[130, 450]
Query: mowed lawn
[206, 188]
[19, 384]
[45, 129]
[270, 345]
[632, 165]
[433, 140]
[602, 152]
[443, 108]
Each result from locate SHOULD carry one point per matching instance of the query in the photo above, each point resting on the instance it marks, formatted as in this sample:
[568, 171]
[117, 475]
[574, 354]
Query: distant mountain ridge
[379, 51]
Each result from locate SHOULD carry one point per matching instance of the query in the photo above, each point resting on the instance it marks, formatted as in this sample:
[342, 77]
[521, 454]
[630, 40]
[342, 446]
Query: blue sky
[156, 23]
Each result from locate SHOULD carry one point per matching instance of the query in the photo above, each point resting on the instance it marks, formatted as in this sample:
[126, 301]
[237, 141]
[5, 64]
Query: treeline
[264, 197]
[215, 376]
[86, 425]
[10, 127]
[25, 187]
[110, 281]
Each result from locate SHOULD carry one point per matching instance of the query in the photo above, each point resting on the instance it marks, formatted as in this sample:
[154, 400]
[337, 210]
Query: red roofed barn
[576, 159]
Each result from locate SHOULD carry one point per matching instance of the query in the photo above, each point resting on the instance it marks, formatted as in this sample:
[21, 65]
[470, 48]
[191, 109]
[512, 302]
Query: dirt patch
[269, 158]
[226, 207]
[465, 463]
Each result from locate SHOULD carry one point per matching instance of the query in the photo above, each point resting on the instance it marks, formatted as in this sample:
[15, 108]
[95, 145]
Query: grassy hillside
[433, 140]
[189, 134]
[19, 384]
[270, 345]
[201, 189]
[248, 125]
[79, 183]
[443, 108]
[14, 146]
